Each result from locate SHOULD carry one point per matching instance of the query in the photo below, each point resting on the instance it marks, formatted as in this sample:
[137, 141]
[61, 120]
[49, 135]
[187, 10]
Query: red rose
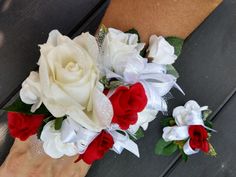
[22, 125]
[198, 138]
[127, 102]
[97, 148]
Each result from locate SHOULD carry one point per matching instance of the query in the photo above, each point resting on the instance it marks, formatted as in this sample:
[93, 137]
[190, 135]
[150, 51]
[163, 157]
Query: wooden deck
[207, 67]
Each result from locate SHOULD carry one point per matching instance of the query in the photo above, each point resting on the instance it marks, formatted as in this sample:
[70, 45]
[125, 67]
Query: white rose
[189, 114]
[161, 51]
[30, 92]
[52, 143]
[116, 44]
[69, 80]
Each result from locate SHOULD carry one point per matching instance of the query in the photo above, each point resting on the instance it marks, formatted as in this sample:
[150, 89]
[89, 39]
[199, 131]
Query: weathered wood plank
[207, 68]
[25, 24]
[6, 140]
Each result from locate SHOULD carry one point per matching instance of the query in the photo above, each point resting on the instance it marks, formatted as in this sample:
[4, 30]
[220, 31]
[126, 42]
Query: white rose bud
[52, 143]
[161, 51]
[118, 45]
[30, 92]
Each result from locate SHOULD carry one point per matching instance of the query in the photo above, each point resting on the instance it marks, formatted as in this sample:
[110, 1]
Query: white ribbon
[122, 141]
[72, 132]
[188, 150]
[152, 76]
[175, 133]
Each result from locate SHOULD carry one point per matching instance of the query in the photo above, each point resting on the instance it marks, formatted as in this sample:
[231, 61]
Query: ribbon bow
[122, 141]
[72, 132]
[154, 78]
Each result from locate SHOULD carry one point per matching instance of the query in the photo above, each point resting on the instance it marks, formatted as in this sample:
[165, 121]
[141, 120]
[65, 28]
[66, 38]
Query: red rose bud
[198, 138]
[22, 125]
[127, 102]
[97, 148]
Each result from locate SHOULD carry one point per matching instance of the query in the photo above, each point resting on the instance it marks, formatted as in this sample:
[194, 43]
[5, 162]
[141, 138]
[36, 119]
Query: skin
[26, 159]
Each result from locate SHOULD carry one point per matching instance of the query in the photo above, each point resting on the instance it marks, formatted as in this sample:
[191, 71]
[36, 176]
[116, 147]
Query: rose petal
[175, 133]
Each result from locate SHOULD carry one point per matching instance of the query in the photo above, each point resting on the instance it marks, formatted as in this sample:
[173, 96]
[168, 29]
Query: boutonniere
[189, 131]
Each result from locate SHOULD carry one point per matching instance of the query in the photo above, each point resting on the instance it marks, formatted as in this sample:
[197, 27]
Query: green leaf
[180, 144]
[206, 114]
[121, 132]
[165, 148]
[167, 121]
[40, 130]
[177, 43]
[19, 106]
[115, 84]
[171, 70]
[58, 123]
[212, 151]
[143, 52]
[208, 124]
[134, 31]
[206, 119]
[139, 134]
[110, 84]
[183, 155]
[46, 120]
[105, 82]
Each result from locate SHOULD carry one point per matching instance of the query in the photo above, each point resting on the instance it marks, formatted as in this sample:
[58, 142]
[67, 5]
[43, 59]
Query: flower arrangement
[188, 131]
[92, 94]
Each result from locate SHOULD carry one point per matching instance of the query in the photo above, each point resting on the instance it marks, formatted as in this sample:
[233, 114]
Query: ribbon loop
[188, 150]
[123, 142]
[72, 132]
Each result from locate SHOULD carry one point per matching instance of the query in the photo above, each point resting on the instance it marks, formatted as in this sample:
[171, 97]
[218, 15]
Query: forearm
[26, 159]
